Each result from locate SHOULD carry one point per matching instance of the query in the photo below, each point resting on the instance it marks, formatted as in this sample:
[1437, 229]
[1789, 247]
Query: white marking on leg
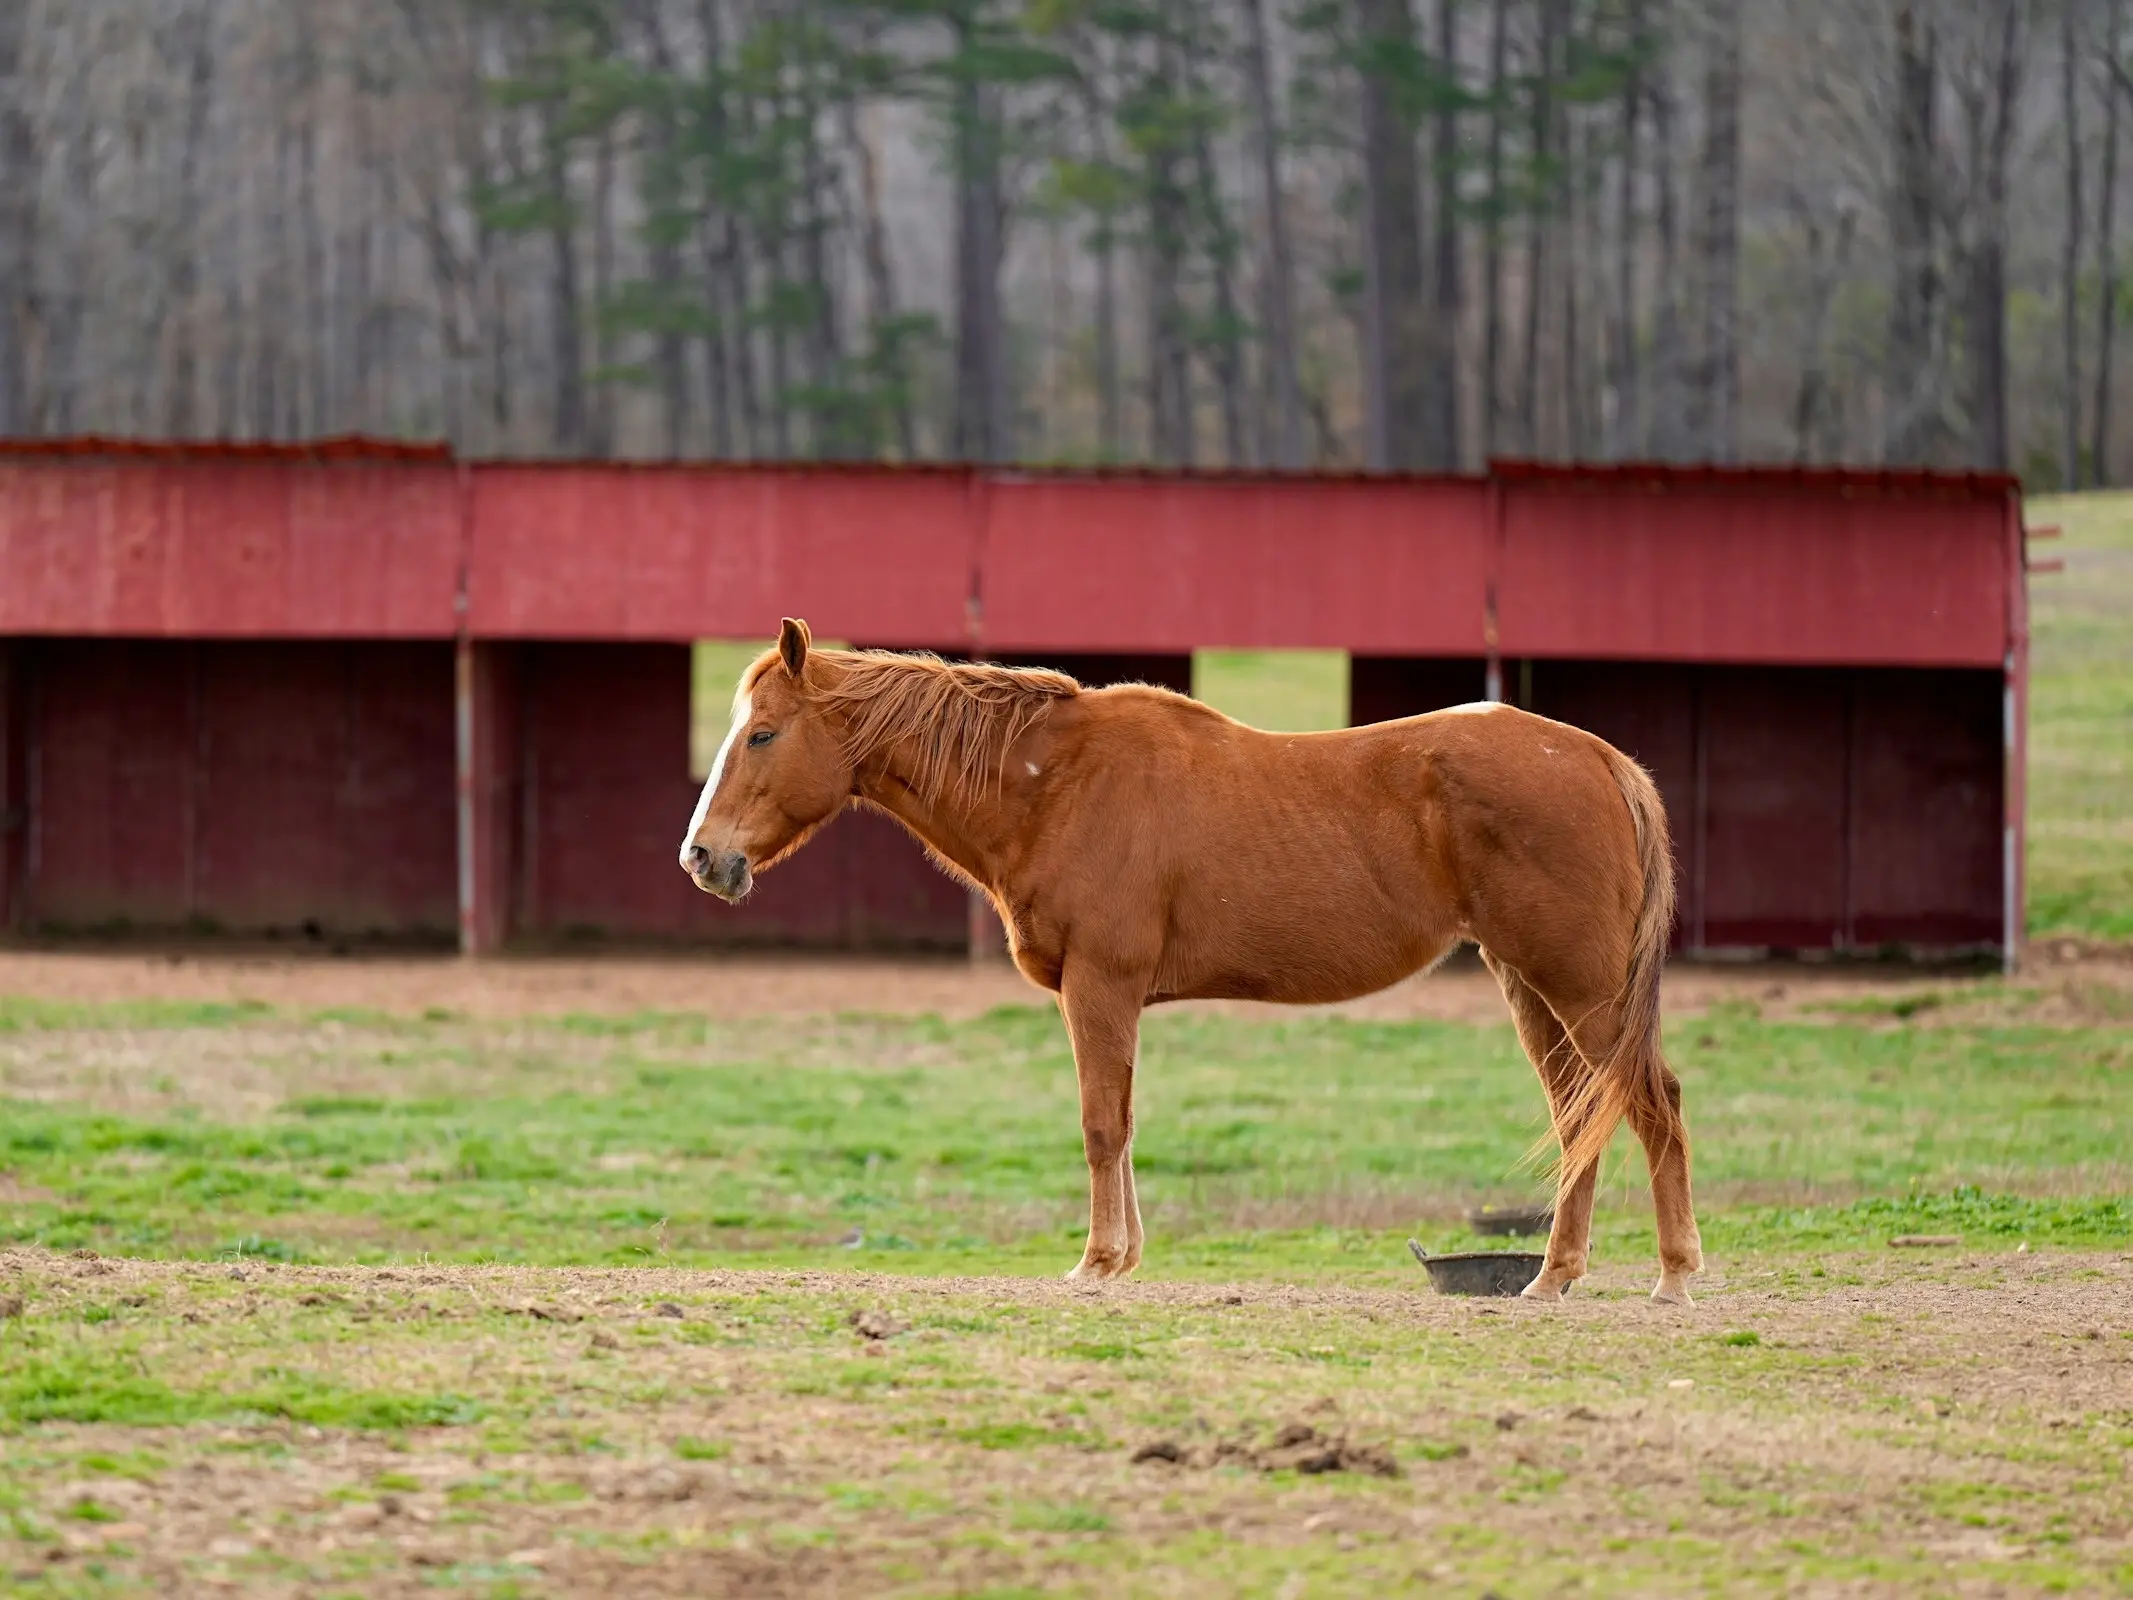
[743, 708]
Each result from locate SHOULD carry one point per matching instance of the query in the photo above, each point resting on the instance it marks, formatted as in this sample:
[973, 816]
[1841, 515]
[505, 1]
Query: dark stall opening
[1853, 809]
[284, 788]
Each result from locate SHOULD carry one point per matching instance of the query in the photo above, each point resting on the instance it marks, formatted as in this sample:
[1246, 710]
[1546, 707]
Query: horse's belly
[1329, 962]
[1288, 989]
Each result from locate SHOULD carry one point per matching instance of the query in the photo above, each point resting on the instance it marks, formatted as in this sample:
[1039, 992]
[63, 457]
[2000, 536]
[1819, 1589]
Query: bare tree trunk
[1626, 415]
[772, 242]
[1229, 322]
[1170, 398]
[1444, 365]
[272, 308]
[881, 300]
[1399, 432]
[1492, 233]
[1537, 225]
[1914, 306]
[1668, 436]
[2107, 254]
[601, 440]
[983, 425]
[1985, 262]
[71, 296]
[662, 184]
[353, 303]
[1110, 401]
[834, 433]
[490, 135]
[2070, 260]
[1576, 414]
[1170, 407]
[1719, 248]
[198, 44]
[1225, 349]
[317, 311]
[1103, 241]
[1811, 402]
[715, 245]
[565, 311]
[1282, 435]
[18, 197]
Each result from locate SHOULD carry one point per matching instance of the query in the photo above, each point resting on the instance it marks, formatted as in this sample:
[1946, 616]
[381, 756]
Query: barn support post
[2014, 734]
[465, 785]
[14, 783]
[485, 727]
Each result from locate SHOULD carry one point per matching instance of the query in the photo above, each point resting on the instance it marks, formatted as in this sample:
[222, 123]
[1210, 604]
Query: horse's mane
[959, 717]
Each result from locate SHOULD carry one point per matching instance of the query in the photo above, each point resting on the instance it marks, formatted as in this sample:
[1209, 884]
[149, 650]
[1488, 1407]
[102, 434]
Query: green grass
[256, 1415]
[2081, 720]
[106, 1383]
[1284, 691]
[1264, 1148]
[1802, 1432]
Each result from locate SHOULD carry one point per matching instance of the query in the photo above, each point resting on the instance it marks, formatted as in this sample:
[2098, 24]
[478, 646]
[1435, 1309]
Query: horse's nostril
[697, 859]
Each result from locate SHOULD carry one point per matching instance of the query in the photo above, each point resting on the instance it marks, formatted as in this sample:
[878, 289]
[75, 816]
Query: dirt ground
[2062, 981]
[1902, 1425]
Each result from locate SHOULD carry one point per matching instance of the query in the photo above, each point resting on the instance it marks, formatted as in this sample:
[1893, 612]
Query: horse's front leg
[1134, 1235]
[1103, 1021]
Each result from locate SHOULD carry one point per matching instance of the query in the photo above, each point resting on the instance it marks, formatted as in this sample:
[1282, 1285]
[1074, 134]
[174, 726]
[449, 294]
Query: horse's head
[781, 774]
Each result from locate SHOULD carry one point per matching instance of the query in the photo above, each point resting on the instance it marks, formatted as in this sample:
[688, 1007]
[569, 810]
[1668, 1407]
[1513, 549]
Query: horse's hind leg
[1561, 1071]
[1665, 1138]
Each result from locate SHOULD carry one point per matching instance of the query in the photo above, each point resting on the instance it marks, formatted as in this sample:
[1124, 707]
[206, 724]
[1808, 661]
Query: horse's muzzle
[725, 875]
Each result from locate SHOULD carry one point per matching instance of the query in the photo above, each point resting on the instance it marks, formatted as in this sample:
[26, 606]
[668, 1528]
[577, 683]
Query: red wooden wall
[213, 543]
[1817, 666]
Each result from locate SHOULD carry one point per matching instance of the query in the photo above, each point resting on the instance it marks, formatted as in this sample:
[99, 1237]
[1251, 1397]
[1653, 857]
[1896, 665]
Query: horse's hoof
[1091, 1271]
[1541, 1289]
[1671, 1292]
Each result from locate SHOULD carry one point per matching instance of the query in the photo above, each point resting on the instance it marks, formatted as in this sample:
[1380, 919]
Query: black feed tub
[1491, 1272]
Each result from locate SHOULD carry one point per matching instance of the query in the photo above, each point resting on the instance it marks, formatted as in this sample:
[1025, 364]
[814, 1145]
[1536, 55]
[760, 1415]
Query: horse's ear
[793, 640]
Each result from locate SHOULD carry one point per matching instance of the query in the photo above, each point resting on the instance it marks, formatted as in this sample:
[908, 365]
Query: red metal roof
[1655, 474]
[1109, 472]
[1633, 561]
[341, 447]
[1891, 482]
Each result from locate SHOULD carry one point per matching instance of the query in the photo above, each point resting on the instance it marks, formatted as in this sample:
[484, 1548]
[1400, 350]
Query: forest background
[1375, 234]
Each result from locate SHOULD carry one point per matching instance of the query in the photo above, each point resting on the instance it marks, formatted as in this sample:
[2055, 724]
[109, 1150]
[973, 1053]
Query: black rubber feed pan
[1497, 1220]
[1490, 1272]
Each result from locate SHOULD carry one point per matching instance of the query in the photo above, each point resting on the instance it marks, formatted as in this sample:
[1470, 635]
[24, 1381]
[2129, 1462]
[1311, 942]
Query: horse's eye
[761, 737]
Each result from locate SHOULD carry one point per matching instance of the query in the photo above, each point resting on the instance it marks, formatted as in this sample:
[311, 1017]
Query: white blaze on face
[1474, 708]
[743, 708]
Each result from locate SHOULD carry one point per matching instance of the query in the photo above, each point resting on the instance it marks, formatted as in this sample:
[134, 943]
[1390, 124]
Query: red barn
[368, 689]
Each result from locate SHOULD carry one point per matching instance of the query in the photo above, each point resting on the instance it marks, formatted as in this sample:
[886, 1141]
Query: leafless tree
[1392, 232]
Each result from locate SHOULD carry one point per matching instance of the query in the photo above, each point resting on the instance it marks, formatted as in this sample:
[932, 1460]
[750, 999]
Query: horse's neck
[967, 830]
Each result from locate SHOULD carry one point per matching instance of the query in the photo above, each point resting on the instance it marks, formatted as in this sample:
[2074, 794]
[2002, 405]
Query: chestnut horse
[1141, 847]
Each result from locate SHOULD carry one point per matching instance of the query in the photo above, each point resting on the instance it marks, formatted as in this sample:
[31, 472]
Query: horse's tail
[1632, 1078]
